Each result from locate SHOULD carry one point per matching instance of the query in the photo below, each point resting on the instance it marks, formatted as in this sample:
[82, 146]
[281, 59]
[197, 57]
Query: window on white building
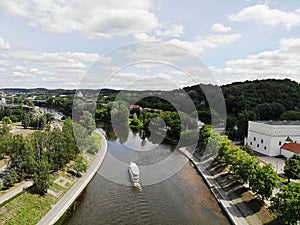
[251, 143]
[261, 141]
[254, 139]
[280, 143]
[265, 147]
[257, 145]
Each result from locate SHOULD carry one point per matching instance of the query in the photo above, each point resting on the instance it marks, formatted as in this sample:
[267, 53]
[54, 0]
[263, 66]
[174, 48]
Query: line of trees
[261, 178]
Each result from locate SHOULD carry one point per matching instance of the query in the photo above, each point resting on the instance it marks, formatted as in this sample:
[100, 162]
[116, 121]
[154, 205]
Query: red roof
[292, 147]
[135, 107]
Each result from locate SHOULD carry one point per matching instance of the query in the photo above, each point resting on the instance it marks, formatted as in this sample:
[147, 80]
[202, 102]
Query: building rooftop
[280, 122]
[292, 147]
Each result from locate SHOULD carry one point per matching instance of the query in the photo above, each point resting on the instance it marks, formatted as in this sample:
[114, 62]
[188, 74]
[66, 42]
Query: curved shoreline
[67, 200]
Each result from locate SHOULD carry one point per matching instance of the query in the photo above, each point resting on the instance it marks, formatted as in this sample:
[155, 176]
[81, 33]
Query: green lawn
[26, 209]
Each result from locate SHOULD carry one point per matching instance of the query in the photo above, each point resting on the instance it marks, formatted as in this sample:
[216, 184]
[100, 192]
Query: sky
[158, 44]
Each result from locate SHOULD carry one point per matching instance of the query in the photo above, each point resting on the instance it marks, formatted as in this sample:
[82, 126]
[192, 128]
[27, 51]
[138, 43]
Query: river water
[182, 199]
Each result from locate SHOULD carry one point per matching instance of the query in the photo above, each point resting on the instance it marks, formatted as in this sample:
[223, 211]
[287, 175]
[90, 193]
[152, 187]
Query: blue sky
[53, 43]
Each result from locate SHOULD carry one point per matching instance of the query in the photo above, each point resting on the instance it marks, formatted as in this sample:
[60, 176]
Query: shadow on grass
[252, 206]
[274, 222]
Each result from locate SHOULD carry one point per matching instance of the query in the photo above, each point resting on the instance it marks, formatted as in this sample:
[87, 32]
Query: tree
[247, 167]
[87, 121]
[292, 167]
[247, 149]
[268, 111]
[214, 143]
[286, 204]
[93, 143]
[244, 117]
[41, 178]
[6, 120]
[225, 145]
[10, 179]
[135, 123]
[290, 115]
[49, 117]
[26, 121]
[264, 180]
[119, 113]
[80, 165]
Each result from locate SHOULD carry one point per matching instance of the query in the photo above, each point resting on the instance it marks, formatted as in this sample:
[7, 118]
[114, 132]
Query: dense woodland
[250, 100]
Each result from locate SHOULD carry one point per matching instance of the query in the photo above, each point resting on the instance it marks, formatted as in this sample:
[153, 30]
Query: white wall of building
[268, 138]
[286, 153]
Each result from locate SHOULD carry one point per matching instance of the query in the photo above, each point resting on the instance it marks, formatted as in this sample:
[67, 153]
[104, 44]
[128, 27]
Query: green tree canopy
[292, 167]
[286, 204]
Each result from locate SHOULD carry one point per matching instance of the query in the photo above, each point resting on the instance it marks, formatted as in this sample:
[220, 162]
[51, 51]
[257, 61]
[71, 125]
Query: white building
[267, 137]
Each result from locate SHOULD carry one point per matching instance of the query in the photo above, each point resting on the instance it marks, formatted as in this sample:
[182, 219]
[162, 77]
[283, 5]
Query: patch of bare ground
[252, 208]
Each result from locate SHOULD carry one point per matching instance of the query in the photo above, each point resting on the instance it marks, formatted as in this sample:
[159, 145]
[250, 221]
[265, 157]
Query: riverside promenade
[229, 208]
[66, 201]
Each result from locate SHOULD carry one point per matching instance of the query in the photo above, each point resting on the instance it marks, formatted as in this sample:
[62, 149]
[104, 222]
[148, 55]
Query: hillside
[249, 94]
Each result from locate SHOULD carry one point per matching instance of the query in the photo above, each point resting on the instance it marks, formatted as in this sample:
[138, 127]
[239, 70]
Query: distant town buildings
[274, 138]
[79, 94]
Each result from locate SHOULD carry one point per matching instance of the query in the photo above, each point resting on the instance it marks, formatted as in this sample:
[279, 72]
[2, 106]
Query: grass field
[25, 209]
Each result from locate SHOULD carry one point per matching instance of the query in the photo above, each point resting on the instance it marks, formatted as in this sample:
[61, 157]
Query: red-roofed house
[289, 149]
[135, 107]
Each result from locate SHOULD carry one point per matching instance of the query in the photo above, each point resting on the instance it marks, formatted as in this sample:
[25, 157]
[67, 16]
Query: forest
[269, 99]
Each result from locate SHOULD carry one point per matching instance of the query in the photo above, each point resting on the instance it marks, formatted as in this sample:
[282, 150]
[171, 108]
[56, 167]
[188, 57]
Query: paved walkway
[14, 192]
[277, 163]
[230, 209]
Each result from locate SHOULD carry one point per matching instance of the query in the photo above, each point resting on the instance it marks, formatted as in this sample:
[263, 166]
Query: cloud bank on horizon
[52, 43]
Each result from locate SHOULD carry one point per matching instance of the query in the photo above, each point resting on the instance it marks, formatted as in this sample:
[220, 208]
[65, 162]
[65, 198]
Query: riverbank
[66, 201]
[238, 202]
[229, 208]
[26, 208]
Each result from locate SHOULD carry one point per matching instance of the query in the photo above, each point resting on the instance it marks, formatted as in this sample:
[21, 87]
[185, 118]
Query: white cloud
[3, 63]
[218, 27]
[3, 44]
[54, 70]
[282, 62]
[145, 37]
[169, 30]
[92, 18]
[271, 17]
[202, 43]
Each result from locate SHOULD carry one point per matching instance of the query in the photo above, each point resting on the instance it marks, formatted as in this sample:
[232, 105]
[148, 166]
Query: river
[182, 199]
